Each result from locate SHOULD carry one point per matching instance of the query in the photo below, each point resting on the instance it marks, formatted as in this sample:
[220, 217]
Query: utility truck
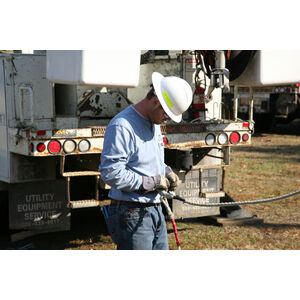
[55, 106]
[272, 104]
[269, 83]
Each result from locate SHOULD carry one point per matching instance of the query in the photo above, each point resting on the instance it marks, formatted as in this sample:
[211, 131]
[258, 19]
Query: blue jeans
[137, 227]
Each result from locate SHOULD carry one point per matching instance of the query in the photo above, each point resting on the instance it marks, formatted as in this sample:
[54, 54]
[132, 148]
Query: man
[132, 163]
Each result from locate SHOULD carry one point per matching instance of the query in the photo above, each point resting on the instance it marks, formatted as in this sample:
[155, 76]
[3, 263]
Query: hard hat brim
[156, 80]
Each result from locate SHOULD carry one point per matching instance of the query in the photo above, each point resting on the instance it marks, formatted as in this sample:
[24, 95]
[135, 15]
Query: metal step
[80, 173]
[84, 203]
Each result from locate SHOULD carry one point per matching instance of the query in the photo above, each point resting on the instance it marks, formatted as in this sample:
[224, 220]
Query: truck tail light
[210, 139]
[84, 146]
[41, 147]
[222, 138]
[54, 146]
[31, 147]
[245, 137]
[69, 146]
[234, 137]
[165, 141]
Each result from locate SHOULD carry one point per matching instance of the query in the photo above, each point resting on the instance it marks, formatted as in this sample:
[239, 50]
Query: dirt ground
[270, 167]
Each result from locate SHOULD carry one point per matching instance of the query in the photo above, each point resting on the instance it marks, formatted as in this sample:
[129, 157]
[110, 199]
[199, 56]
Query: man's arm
[117, 149]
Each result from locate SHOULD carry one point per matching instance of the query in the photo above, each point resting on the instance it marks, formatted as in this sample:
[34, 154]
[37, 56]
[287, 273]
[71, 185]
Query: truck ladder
[80, 203]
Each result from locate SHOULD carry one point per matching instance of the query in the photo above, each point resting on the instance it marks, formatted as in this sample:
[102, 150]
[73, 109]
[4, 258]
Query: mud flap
[192, 184]
[39, 206]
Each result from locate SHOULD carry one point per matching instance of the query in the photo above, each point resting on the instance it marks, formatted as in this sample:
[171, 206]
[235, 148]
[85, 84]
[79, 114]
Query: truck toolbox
[111, 68]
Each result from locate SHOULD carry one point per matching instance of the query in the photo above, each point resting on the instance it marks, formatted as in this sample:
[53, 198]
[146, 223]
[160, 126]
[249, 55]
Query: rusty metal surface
[187, 145]
[196, 140]
[179, 128]
[98, 131]
[179, 136]
[84, 203]
[184, 136]
[80, 173]
[205, 127]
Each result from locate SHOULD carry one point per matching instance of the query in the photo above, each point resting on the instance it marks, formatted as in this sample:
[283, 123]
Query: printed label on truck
[65, 133]
[190, 64]
[190, 190]
[39, 206]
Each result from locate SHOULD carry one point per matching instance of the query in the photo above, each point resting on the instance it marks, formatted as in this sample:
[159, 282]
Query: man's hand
[173, 179]
[155, 183]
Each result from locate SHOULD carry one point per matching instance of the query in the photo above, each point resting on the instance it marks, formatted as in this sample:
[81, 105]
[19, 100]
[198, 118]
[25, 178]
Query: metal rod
[200, 181]
[68, 192]
[235, 100]
[251, 104]
[62, 165]
[96, 187]
[223, 178]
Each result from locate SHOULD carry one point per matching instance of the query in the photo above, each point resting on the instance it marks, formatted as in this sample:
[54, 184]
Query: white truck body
[109, 68]
[271, 67]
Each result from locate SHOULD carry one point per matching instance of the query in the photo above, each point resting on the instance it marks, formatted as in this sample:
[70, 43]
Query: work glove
[173, 179]
[155, 183]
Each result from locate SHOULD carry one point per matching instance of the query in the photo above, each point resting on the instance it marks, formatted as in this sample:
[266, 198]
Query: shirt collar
[142, 118]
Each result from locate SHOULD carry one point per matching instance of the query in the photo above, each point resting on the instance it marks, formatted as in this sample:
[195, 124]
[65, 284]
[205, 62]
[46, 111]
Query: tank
[271, 67]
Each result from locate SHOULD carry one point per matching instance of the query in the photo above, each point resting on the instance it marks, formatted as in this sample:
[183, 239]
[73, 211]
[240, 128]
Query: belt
[137, 204]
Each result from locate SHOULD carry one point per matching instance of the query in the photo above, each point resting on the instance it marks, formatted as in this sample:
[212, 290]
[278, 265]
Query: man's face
[158, 114]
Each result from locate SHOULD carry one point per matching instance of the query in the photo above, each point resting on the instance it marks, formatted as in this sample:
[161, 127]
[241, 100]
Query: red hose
[175, 232]
[171, 217]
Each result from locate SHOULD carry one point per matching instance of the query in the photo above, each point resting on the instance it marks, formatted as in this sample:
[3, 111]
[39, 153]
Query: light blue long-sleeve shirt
[133, 147]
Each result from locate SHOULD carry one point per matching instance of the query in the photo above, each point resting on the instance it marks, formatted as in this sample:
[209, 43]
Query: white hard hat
[174, 94]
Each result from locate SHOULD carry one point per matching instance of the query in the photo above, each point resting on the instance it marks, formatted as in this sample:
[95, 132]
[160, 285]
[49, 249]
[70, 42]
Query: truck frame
[51, 138]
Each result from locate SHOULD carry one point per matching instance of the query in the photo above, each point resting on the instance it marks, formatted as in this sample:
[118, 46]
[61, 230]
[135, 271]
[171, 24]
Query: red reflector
[40, 147]
[246, 124]
[234, 138]
[245, 137]
[41, 132]
[165, 140]
[54, 146]
[31, 147]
